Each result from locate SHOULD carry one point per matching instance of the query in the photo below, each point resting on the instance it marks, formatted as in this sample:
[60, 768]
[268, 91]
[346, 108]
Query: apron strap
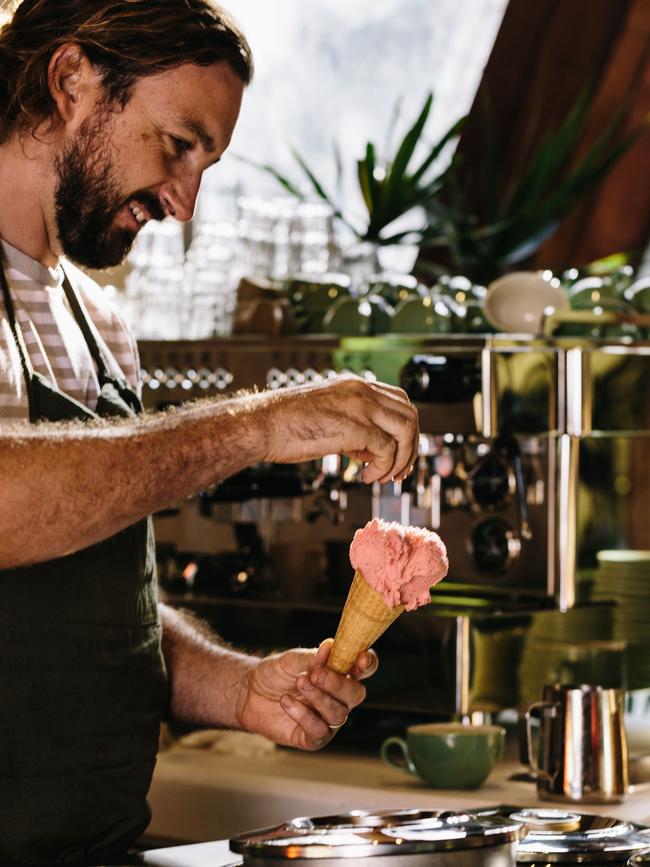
[25, 361]
[117, 384]
[83, 321]
[119, 393]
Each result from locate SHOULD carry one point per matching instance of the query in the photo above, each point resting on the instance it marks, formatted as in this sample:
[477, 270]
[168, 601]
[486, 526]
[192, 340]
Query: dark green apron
[83, 685]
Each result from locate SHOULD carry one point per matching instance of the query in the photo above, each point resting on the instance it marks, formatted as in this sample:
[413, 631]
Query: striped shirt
[55, 344]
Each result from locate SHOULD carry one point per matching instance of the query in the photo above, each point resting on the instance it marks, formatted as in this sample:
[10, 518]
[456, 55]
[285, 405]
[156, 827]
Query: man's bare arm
[205, 677]
[290, 697]
[65, 486]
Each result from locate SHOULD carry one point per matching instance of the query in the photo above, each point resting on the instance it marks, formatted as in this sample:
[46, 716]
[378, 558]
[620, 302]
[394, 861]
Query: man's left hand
[295, 700]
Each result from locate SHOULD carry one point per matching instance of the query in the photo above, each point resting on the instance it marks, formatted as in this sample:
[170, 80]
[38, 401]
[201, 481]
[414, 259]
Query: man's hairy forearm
[67, 485]
[205, 677]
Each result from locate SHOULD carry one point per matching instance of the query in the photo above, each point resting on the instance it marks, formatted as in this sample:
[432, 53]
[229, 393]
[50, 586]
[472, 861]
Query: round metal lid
[567, 836]
[361, 834]
[641, 859]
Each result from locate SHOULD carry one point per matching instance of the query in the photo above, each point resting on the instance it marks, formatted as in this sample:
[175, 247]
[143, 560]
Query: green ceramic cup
[358, 317]
[447, 755]
[417, 315]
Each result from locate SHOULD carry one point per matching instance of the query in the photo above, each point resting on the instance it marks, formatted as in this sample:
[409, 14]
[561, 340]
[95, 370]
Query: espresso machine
[489, 417]
[525, 470]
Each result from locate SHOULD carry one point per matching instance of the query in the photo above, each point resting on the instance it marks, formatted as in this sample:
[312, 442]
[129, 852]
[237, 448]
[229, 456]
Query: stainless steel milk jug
[581, 753]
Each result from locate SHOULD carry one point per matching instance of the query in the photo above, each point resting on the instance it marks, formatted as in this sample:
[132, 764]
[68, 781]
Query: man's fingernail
[306, 684]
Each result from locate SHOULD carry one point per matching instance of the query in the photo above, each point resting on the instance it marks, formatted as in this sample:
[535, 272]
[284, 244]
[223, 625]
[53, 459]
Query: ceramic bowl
[312, 296]
[638, 294]
[394, 288]
[599, 331]
[518, 302]
[590, 292]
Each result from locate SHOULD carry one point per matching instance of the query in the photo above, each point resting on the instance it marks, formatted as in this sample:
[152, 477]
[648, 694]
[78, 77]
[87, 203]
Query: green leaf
[530, 244]
[338, 163]
[281, 179]
[489, 167]
[585, 177]
[550, 158]
[392, 124]
[364, 184]
[404, 154]
[451, 134]
[535, 202]
[374, 188]
[318, 188]
[430, 270]
[415, 236]
[609, 264]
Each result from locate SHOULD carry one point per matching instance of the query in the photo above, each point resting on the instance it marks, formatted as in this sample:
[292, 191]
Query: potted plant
[391, 186]
[487, 234]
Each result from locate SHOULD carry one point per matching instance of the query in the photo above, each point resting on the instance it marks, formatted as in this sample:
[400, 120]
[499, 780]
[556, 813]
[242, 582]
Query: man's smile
[140, 214]
[142, 208]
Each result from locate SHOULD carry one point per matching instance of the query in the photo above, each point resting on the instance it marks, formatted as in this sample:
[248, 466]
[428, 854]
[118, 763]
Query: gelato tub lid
[567, 836]
[361, 834]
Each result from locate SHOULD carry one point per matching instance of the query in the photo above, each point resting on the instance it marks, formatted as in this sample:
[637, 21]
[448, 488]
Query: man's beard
[87, 199]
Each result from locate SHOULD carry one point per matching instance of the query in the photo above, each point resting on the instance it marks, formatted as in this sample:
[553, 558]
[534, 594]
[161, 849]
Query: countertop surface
[215, 854]
[200, 796]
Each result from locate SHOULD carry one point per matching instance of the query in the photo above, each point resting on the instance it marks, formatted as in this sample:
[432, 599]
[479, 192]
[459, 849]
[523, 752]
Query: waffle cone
[364, 618]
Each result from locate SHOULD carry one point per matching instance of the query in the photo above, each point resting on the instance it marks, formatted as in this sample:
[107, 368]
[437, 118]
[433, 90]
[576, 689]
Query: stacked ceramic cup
[623, 576]
[577, 646]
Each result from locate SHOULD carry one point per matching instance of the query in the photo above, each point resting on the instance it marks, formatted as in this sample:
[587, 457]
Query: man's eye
[181, 146]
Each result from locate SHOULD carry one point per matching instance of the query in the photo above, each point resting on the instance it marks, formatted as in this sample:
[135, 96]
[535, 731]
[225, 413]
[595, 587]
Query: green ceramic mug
[447, 755]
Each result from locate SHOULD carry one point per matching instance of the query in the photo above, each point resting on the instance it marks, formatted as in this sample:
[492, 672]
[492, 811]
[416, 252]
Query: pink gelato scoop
[399, 562]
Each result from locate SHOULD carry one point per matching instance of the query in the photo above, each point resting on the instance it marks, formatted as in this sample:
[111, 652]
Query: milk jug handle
[526, 747]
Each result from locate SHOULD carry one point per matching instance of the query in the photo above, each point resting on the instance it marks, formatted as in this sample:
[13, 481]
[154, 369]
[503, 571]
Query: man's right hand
[369, 421]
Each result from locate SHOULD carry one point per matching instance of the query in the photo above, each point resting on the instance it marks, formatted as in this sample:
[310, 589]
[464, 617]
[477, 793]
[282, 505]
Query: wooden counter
[200, 796]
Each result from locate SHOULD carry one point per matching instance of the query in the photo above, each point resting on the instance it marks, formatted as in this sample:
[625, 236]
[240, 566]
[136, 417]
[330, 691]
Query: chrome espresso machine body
[525, 469]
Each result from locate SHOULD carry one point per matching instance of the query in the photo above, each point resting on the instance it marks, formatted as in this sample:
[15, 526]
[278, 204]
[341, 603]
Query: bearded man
[111, 110]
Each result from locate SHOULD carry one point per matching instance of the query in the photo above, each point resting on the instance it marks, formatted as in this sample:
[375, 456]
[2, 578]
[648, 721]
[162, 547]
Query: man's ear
[74, 83]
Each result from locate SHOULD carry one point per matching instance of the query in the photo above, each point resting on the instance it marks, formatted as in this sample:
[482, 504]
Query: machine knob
[441, 379]
[494, 546]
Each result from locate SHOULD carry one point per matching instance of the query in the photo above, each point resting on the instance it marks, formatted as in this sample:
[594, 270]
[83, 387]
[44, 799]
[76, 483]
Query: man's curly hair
[124, 39]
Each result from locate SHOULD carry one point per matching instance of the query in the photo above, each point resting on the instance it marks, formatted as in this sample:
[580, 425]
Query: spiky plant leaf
[453, 132]
[405, 152]
[280, 178]
[485, 237]
[317, 186]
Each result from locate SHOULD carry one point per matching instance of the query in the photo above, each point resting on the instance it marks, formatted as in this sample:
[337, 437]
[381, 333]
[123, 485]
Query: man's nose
[179, 196]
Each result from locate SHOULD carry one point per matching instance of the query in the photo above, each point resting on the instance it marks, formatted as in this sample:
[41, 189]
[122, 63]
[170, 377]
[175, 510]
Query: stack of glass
[153, 292]
[171, 294]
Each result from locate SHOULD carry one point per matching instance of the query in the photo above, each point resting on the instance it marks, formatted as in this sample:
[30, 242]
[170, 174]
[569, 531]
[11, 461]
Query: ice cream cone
[364, 618]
